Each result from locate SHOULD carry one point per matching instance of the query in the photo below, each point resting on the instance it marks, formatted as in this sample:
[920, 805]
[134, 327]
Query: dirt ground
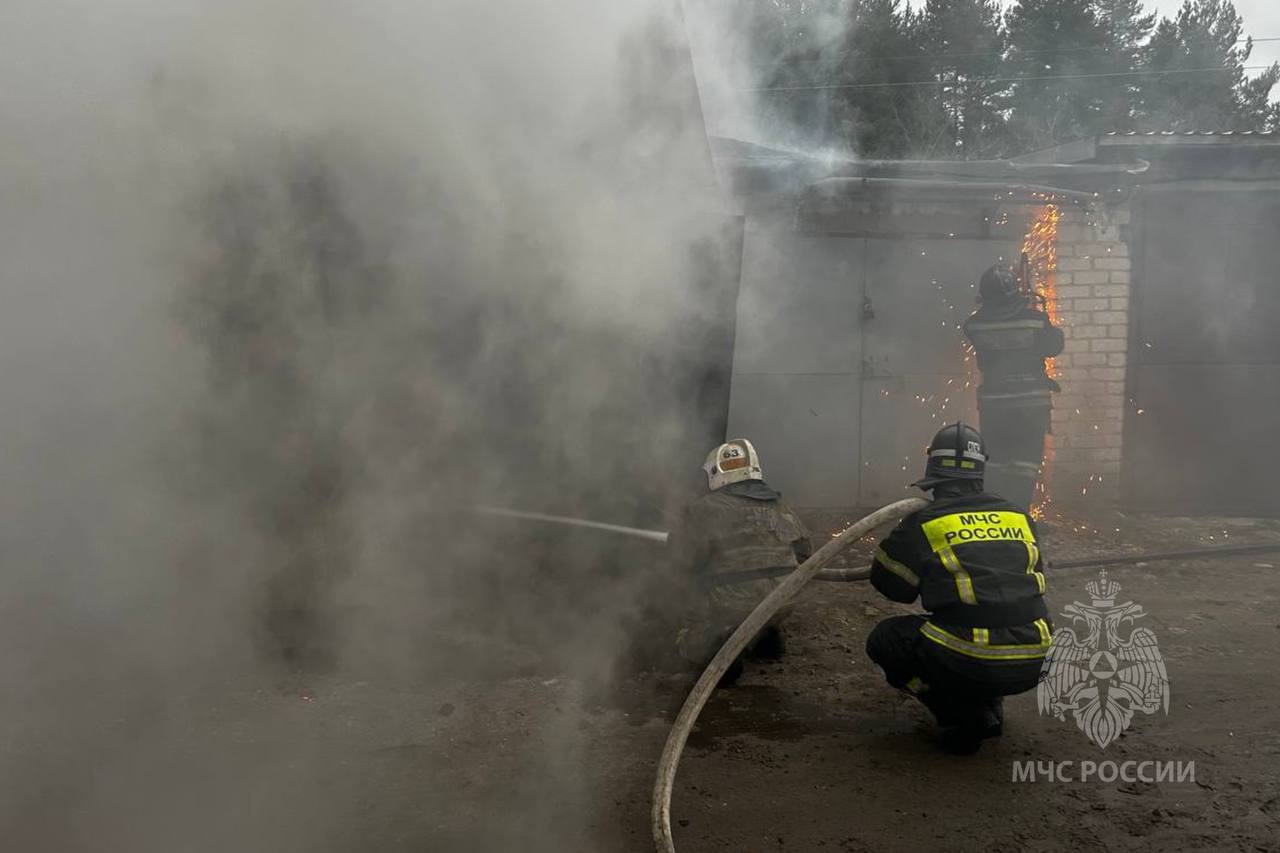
[812, 753]
[836, 761]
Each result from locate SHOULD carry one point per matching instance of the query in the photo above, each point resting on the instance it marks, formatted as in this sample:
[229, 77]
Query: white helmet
[732, 462]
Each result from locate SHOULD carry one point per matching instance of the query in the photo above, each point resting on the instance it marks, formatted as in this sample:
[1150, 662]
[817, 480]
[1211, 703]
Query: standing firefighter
[1012, 339]
[972, 560]
[741, 524]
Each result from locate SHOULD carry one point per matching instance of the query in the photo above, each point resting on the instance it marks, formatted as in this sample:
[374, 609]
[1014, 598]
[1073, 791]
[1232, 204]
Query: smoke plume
[288, 286]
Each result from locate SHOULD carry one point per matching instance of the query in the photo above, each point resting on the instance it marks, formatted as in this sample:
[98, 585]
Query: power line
[900, 83]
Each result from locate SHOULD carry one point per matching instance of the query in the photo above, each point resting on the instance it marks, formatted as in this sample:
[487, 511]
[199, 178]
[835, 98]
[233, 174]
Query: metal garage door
[797, 371]
[849, 356]
[919, 292]
[1205, 355]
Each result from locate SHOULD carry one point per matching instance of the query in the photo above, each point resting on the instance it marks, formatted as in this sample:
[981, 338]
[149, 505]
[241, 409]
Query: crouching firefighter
[972, 560]
[740, 525]
[1012, 340]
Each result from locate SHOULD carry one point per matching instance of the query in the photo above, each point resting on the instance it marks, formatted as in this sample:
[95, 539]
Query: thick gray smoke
[286, 285]
[737, 46]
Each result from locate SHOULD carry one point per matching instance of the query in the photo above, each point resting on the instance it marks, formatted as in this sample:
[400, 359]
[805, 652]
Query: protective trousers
[1015, 441]
[957, 689]
[712, 617]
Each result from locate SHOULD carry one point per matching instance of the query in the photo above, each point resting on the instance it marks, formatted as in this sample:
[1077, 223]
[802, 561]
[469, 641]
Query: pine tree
[1204, 85]
[844, 75]
[886, 110]
[965, 42]
[796, 46]
[959, 79]
[1052, 44]
[1125, 28]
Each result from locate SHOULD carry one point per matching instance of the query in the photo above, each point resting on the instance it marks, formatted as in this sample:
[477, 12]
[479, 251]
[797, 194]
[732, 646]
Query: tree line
[969, 79]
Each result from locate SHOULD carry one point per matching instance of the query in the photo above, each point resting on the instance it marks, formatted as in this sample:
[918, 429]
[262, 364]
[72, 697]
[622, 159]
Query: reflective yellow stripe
[987, 652]
[958, 528]
[951, 463]
[982, 636]
[1045, 637]
[1002, 325]
[1016, 395]
[897, 568]
[964, 583]
[1033, 557]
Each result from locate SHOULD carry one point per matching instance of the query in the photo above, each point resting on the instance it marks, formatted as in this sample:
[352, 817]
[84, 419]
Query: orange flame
[1041, 248]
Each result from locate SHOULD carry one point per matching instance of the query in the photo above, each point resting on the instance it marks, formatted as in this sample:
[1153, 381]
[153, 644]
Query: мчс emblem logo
[1101, 678]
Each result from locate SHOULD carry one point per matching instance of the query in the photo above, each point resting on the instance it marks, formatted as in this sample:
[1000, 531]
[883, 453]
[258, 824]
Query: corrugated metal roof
[1184, 133]
[757, 170]
[1093, 148]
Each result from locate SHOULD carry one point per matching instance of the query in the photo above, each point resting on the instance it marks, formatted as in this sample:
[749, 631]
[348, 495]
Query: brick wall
[1092, 307]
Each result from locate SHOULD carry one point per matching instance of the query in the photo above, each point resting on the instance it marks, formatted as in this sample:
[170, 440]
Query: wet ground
[813, 753]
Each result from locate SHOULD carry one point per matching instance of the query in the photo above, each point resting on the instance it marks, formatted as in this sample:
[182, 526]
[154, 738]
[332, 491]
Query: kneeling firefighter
[972, 560]
[1012, 339]
[741, 524]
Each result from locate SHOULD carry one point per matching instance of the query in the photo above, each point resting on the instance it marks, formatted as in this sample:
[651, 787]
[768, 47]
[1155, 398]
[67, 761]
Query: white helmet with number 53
[732, 462]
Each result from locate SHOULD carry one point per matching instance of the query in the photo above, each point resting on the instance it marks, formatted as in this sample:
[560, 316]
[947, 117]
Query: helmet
[998, 284]
[957, 452]
[732, 462]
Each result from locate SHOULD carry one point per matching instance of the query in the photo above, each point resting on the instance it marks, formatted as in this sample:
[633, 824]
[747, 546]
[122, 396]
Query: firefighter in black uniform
[973, 561]
[1012, 339]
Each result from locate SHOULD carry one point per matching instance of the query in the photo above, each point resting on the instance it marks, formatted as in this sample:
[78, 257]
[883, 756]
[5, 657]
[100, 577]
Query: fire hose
[853, 575]
[651, 535]
[759, 617]
[861, 574]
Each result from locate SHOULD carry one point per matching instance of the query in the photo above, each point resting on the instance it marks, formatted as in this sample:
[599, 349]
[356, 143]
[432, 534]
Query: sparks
[1041, 248]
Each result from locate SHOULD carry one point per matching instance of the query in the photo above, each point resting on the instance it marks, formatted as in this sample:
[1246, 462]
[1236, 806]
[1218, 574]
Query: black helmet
[998, 284]
[957, 452]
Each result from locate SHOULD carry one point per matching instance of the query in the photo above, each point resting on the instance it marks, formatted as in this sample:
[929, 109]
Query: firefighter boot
[973, 725]
[769, 644]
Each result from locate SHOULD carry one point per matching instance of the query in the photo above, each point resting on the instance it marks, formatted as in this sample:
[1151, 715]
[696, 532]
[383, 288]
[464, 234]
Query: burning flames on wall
[1040, 247]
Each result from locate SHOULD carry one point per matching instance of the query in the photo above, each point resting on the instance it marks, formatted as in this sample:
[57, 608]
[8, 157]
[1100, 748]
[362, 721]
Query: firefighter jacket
[1011, 341]
[974, 564]
[742, 526]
